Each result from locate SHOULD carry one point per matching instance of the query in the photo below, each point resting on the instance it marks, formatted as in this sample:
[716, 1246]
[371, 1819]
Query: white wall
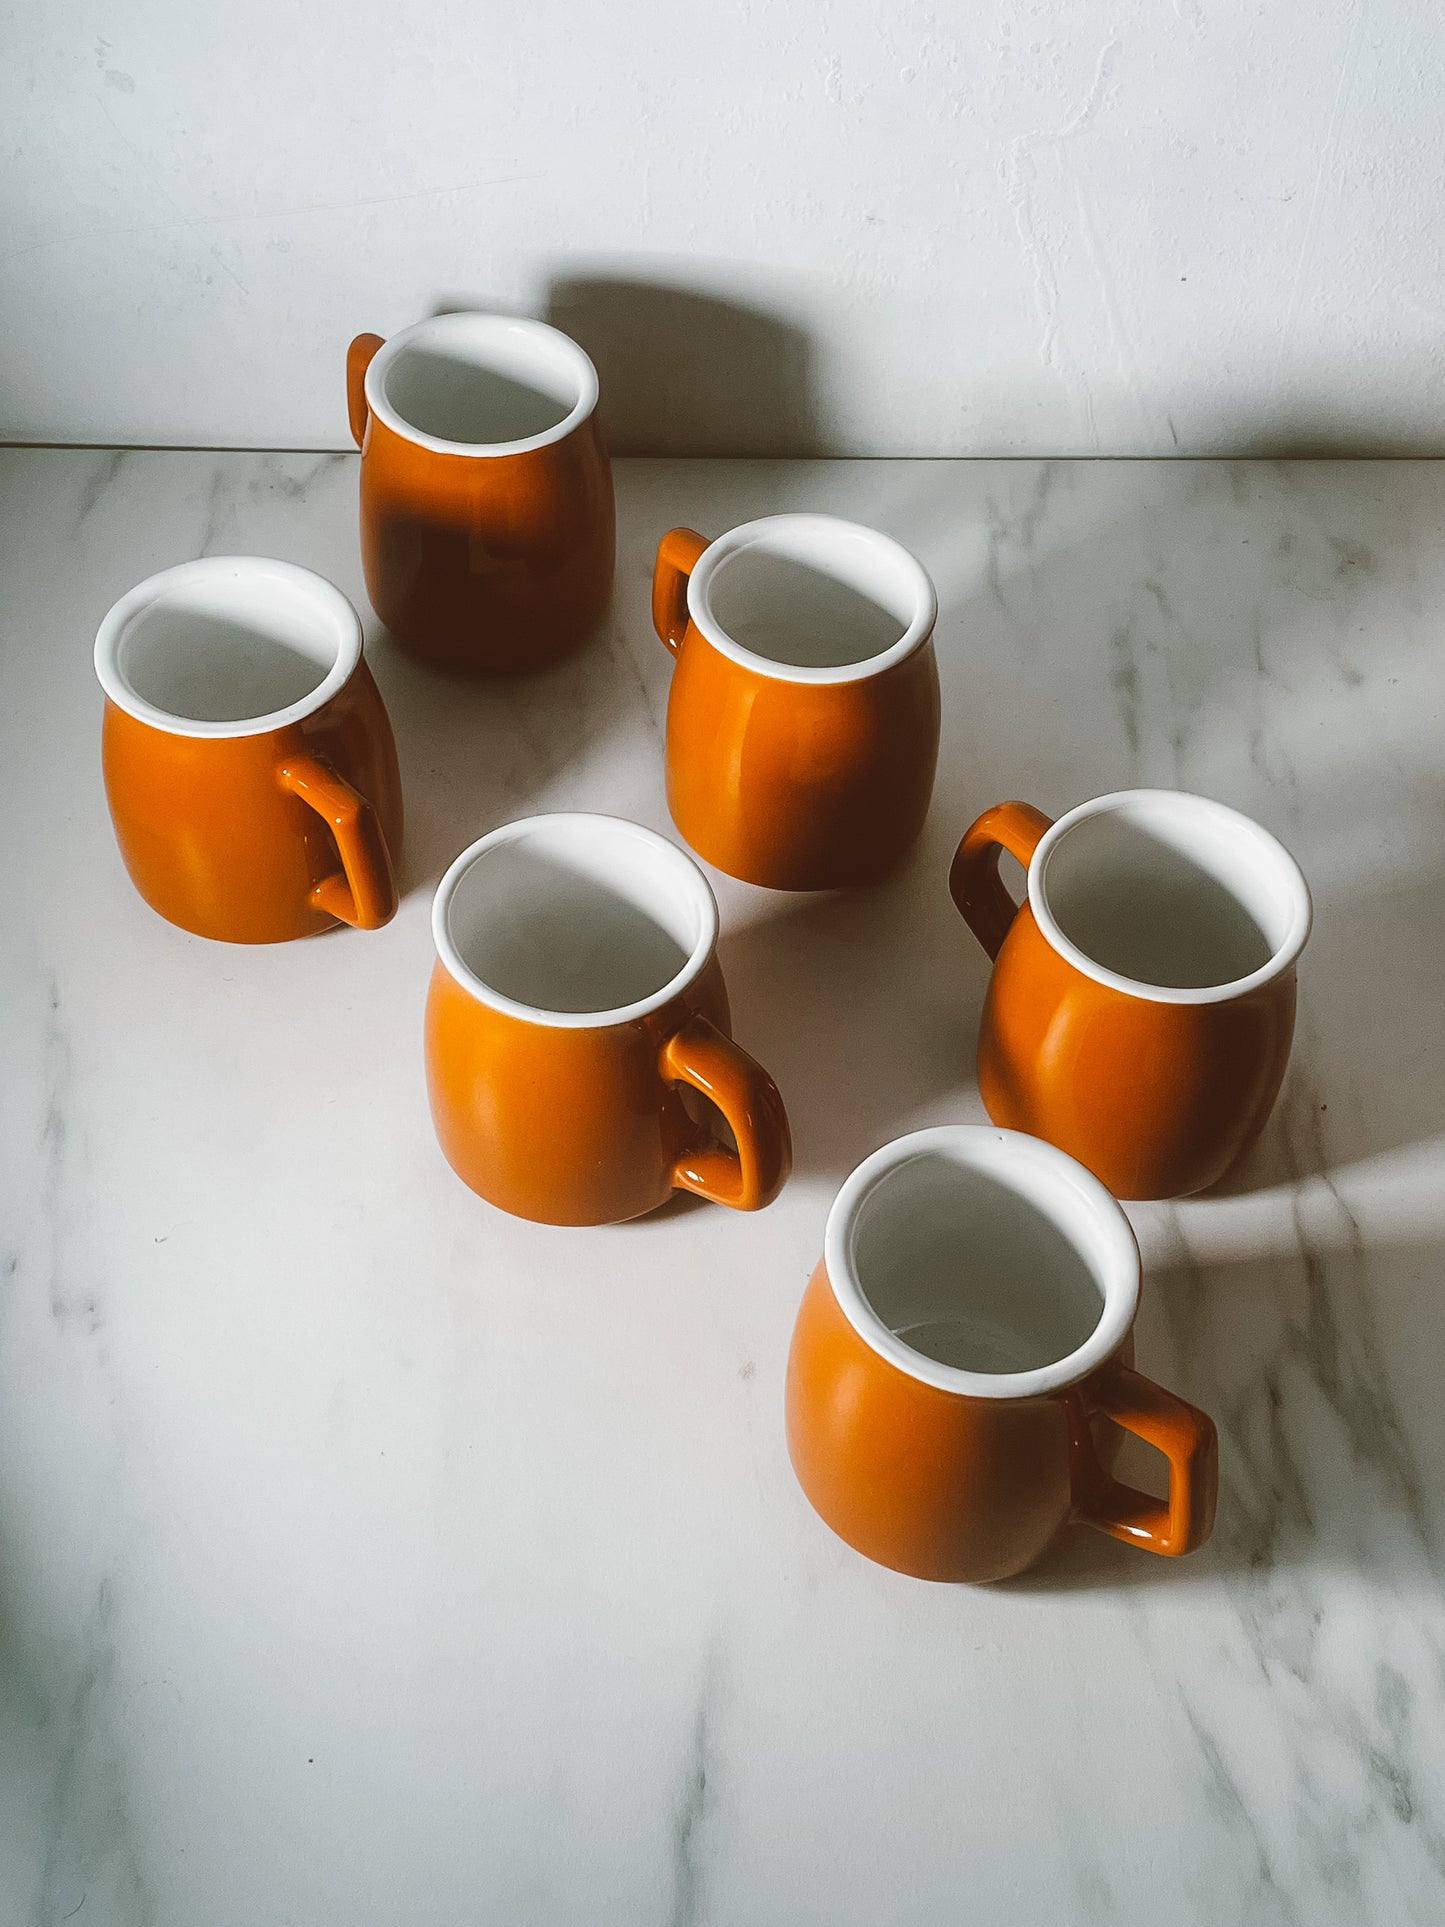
[886, 226]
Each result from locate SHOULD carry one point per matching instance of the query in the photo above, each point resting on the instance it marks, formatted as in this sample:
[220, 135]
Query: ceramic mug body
[576, 1004]
[486, 495]
[1142, 1002]
[803, 721]
[961, 1366]
[249, 762]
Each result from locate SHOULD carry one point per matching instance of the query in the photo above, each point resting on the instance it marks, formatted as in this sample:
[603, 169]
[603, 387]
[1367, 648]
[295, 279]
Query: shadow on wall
[1223, 422]
[1310, 442]
[685, 373]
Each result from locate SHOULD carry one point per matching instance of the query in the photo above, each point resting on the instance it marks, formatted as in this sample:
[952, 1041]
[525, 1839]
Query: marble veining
[366, 1556]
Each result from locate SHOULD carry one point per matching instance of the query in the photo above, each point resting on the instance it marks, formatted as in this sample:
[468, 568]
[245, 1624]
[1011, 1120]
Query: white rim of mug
[689, 876]
[1291, 877]
[145, 595]
[377, 403]
[754, 535]
[1113, 1258]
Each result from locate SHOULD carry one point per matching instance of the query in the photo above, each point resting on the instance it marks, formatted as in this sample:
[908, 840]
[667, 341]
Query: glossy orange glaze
[588, 1125]
[794, 785]
[945, 1486]
[1157, 1099]
[256, 839]
[481, 562]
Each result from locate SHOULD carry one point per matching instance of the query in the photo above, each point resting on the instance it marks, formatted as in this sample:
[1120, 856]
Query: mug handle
[701, 1055]
[973, 881]
[677, 555]
[365, 893]
[358, 360]
[1186, 1437]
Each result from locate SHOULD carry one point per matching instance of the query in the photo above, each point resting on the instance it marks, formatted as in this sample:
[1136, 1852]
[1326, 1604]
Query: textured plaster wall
[902, 228]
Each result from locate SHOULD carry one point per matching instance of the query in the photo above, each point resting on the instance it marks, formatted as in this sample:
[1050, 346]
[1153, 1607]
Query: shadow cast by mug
[856, 1003]
[1296, 435]
[477, 751]
[1331, 1458]
[684, 372]
[1331, 1430]
[1383, 940]
[680, 1205]
[1083, 1559]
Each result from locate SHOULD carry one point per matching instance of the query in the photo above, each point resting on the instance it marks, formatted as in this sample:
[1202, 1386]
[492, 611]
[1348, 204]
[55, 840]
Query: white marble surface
[367, 1557]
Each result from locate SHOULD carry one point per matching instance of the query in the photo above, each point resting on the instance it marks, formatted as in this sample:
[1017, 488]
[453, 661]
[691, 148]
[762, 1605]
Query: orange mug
[1141, 1007]
[486, 496]
[802, 725]
[577, 1013]
[962, 1365]
[249, 762]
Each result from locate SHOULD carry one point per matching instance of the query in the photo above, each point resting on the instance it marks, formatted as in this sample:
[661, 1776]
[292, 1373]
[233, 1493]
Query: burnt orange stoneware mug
[578, 1039]
[962, 1366]
[486, 496]
[249, 762]
[1142, 1002]
[802, 724]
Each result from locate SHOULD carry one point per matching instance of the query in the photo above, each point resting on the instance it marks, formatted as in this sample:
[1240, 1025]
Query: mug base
[240, 930]
[787, 872]
[486, 657]
[948, 1568]
[575, 1218]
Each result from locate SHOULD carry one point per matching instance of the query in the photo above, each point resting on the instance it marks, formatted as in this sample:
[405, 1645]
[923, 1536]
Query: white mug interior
[983, 1261]
[811, 598]
[574, 919]
[1169, 895]
[481, 384]
[227, 646]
